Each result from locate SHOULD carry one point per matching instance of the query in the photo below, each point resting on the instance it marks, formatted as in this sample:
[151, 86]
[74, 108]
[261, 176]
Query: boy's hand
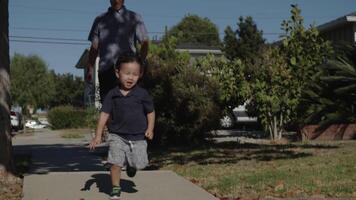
[96, 141]
[149, 134]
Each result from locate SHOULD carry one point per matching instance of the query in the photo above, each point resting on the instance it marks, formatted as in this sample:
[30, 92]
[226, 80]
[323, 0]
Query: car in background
[16, 120]
[34, 124]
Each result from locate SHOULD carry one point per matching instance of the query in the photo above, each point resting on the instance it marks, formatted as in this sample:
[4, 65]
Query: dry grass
[233, 170]
[74, 133]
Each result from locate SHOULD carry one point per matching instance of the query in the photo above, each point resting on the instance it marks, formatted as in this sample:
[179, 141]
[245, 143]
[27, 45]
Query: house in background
[197, 51]
[91, 88]
[91, 91]
[340, 30]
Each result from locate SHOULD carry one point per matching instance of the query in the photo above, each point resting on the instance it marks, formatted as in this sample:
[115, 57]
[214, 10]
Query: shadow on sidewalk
[61, 158]
[103, 183]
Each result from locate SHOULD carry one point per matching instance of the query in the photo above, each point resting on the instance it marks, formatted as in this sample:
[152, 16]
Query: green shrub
[91, 117]
[186, 100]
[62, 117]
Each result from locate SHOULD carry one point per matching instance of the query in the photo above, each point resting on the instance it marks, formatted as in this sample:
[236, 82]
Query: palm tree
[332, 97]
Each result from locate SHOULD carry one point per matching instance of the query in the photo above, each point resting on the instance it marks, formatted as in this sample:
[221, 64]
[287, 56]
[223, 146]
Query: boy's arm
[150, 125]
[103, 118]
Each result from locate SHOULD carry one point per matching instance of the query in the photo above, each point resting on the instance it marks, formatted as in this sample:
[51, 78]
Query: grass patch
[235, 170]
[73, 133]
[28, 132]
[12, 190]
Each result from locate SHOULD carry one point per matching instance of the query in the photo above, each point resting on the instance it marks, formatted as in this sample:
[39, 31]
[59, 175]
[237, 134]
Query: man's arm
[150, 125]
[144, 49]
[93, 54]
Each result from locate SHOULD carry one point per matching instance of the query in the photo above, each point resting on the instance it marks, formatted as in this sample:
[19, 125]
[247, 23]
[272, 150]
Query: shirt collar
[132, 92]
[120, 11]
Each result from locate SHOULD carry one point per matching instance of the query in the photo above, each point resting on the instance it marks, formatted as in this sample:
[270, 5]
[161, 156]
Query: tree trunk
[275, 126]
[6, 159]
[280, 126]
[275, 130]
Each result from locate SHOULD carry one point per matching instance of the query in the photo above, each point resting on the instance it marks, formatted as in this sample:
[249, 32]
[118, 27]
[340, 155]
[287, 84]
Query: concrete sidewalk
[146, 185]
[65, 169]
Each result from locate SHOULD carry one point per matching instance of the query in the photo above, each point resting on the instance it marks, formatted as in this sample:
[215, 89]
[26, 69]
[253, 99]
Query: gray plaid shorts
[123, 152]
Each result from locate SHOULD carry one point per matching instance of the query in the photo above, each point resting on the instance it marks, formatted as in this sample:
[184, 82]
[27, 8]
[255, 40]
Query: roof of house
[198, 49]
[190, 48]
[82, 62]
[338, 22]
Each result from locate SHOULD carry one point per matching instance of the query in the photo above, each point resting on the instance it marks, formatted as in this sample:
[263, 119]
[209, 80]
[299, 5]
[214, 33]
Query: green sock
[116, 188]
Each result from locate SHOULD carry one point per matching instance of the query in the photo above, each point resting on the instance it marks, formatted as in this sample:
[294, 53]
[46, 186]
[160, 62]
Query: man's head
[117, 4]
[128, 70]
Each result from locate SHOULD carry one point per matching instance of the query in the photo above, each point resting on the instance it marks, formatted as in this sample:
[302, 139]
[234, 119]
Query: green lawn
[249, 170]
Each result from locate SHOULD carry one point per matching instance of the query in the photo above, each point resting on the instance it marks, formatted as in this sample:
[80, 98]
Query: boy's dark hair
[128, 58]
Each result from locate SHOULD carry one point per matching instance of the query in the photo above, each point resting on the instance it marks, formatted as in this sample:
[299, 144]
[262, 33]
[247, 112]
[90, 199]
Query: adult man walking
[115, 33]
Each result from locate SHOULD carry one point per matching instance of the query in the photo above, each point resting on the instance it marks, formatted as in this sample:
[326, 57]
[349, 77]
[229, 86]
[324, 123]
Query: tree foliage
[245, 42]
[31, 82]
[186, 101]
[233, 88]
[193, 29]
[230, 44]
[274, 95]
[284, 74]
[305, 51]
[332, 97]
[68, 90]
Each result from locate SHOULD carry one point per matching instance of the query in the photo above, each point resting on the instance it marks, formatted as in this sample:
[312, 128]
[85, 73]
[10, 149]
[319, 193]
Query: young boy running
[131, 110]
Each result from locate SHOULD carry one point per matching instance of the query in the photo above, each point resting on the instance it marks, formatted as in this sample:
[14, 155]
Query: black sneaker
[130, 171]
[106, 164]
[115, 193]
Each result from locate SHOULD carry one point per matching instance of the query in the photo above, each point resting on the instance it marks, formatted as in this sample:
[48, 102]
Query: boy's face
[128, 75]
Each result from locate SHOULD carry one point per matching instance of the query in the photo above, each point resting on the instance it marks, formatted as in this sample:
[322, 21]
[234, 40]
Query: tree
[230, 44]
[305, 48]
[68, 90]
[245, 42]
[305, 51]
[285, 74]
[332, 98]
[6, 154]
[274, 95]
[193, 29]
[186, 101]
[233, 88]
[32, 84]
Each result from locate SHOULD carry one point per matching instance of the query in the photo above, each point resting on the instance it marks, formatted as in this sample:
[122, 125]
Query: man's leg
[107, 81]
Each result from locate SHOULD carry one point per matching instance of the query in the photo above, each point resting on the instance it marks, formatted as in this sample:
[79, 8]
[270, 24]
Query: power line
[50, 29]
[86, 31]
[260, 16]
[47, 38]
[54, 9]
[49, 42]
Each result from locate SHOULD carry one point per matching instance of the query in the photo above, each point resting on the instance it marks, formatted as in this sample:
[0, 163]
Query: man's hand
[149, 134]
[96, 141]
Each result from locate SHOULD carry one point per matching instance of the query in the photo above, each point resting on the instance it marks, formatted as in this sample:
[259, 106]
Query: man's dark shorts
[107, 81]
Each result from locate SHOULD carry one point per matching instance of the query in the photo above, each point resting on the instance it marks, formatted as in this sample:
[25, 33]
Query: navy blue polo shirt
[128, 113]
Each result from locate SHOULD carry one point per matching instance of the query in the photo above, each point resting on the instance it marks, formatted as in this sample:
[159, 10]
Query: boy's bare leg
[115, 172]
